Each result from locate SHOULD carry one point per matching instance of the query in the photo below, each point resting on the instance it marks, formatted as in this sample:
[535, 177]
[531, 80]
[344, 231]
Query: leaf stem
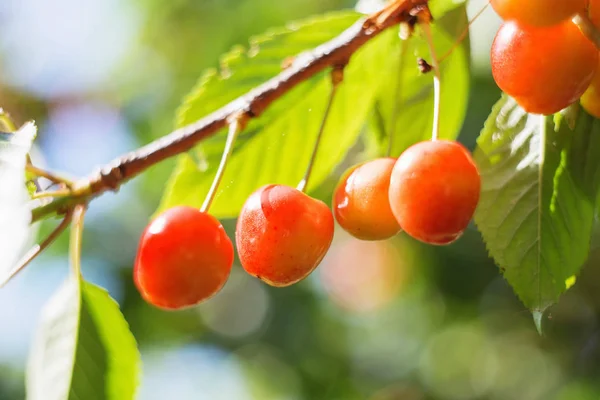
[52, 194]
[51, 176]
[236, 125]
[75, 240]
[337, 76]
[436, 81]
[37, 249]
[397, 97]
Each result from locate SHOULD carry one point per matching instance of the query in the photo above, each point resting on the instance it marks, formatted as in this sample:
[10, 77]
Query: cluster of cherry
[431, 192]
[542, 59]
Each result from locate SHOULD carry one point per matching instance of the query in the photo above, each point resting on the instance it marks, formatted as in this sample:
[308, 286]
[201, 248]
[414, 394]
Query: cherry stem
[436, 81]
[397, 97]
[586, 26]
[236, 125]
[37, 249]
[75, 239]
[337, 76]
[465, 32]
[7, 121]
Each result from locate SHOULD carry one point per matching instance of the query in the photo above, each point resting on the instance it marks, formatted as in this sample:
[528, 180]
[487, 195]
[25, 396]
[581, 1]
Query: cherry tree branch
[336, 52]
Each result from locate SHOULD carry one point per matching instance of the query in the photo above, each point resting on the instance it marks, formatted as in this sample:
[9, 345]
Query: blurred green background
[378, 321]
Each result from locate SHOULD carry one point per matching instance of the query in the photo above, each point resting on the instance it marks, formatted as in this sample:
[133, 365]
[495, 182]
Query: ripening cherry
[591, 98]
[361, 203]
[544, 69]
[538, 12]
[283, 234]
[434, 191]
[184, 258]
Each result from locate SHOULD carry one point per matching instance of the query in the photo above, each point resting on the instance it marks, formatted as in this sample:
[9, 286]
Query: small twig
[436, 81]
[585, 24]
[37, 249]
[75, 240]
[337, 76]
[397, 97]
[336, 51]
[235, 127]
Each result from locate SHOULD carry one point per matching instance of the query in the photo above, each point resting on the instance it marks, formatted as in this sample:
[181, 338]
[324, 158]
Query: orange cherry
[283, 234]
[361, 203]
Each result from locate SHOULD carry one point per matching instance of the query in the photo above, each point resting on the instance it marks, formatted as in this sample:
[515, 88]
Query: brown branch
[335, 52]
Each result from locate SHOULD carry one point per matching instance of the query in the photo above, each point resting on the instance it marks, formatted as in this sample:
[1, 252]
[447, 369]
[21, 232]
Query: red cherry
[434, 190]
[538, 12]
[184, 257]
[282, 234]
[544, 69]
[361, 204]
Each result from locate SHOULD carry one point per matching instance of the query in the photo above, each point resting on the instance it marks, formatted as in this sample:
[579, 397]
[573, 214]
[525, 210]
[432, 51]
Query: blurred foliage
[377, 321]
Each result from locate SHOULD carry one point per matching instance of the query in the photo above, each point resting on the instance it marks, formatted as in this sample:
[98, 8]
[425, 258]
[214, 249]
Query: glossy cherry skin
[538, 12]
[184, 257]
[594, 12]
[434, 191]
[283, 234]
[361, 203]
[544, 69]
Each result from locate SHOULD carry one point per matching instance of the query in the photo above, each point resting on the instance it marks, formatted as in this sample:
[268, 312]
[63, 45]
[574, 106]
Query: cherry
[591, 98]
[434, 190]
[544, 69]
[538, 12]
[361, 204]
[184, 257]
[594, 12]
[283, 234]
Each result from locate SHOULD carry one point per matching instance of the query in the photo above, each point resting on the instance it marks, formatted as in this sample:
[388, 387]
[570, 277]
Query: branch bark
[333, 53]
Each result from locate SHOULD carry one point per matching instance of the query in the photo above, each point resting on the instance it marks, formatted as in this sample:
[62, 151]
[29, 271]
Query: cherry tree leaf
[405, 108]
[276, 147]
[83, 348]
[539, 188]
[15, 215]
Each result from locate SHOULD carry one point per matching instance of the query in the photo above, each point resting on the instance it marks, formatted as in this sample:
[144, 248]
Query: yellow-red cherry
[283, 234]
[361, 203]
[544, 69]
[184, 257]
[434, 191]
[591, 98]
[538, 12]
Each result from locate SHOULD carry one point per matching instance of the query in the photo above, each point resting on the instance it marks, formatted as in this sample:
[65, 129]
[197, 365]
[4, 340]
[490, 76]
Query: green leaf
[83, 348]
[414, 116]
[276, 147]
[15, 216]
[539, 187]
